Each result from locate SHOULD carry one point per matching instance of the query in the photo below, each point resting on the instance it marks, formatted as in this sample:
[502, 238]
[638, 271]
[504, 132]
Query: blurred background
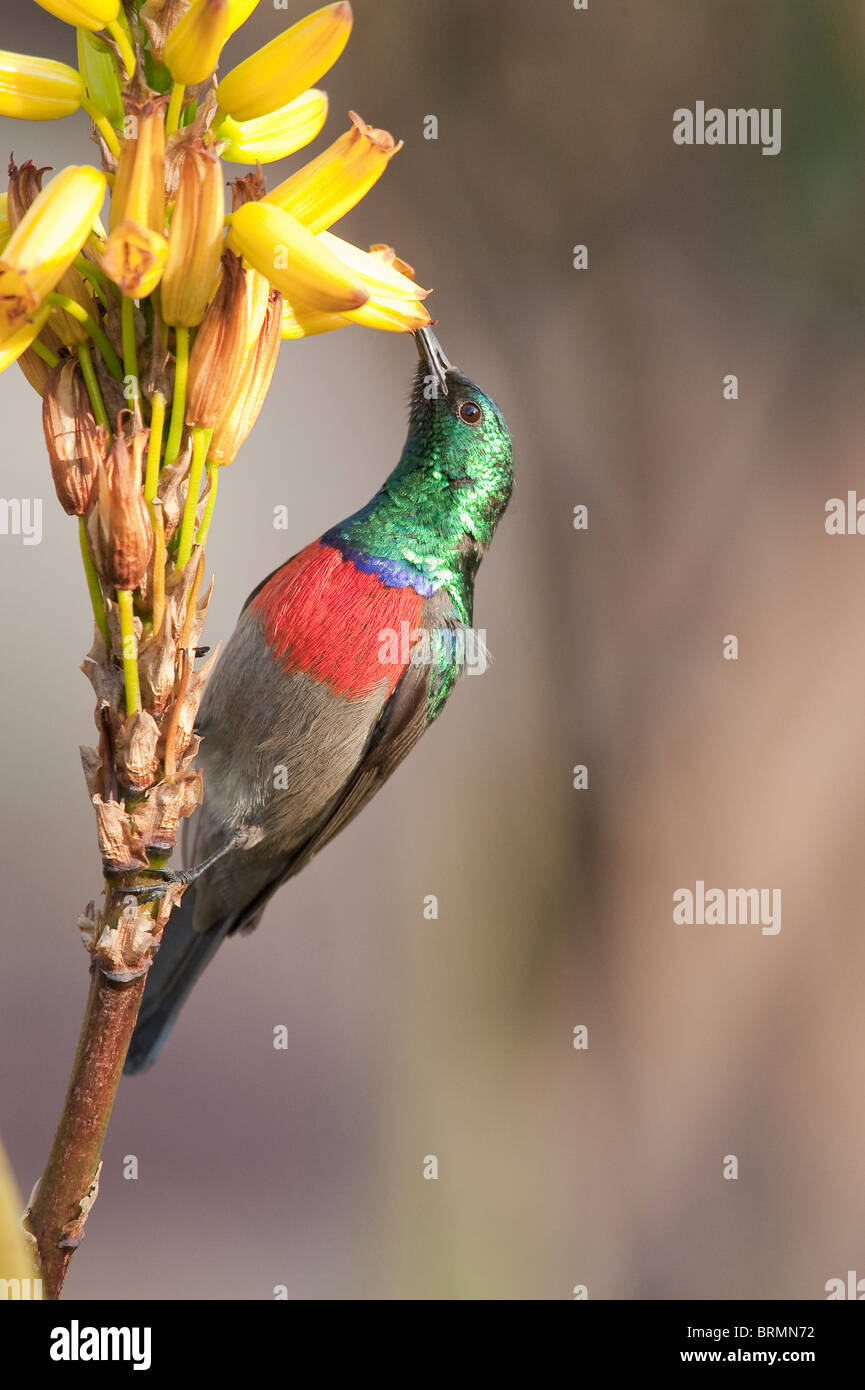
[410, 1037]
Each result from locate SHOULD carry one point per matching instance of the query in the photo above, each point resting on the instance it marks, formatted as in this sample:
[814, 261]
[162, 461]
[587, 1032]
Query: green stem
[200, 444]
[175, 106]
[120, 38]
[129, 649]
[127, 335]
[154, 446]
[103, 125]
[93, 391]
[98, 279]
[178, 405]
[109, 356]
[44, 352]
[93, 588]
[212, 475]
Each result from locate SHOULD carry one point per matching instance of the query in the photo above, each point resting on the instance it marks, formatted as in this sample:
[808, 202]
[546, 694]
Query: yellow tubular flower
[193, 47]
[295, 261]
[392, 317]
[286, 66]
[87, 14]
[25, 185]
[38, 89]
[45, 243]
[275, 136]
[135, 250]
[375, 269]
[195, 239]
[298, 322]
[239, 12]
[393, 305]
[332, 183]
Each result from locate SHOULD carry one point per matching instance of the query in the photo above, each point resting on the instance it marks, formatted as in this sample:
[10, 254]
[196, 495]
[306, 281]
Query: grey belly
[276, 751]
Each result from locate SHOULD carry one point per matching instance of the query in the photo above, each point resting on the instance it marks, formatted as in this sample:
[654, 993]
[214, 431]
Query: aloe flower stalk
[151, 329]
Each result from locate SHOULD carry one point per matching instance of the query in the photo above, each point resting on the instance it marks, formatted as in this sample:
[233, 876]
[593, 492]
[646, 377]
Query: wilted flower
[243, 406]
[135, 250]
[195, 238]
[220, 347]
[118, 524]
[76, 444]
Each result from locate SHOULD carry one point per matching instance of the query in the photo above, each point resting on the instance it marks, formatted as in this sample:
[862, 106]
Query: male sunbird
[339, 661]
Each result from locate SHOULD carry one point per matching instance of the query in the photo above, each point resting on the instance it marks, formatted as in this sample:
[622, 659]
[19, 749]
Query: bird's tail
[181, 957]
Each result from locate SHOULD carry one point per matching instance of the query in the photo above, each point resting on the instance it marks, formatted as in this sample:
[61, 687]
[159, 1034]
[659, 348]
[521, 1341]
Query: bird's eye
[470, 413]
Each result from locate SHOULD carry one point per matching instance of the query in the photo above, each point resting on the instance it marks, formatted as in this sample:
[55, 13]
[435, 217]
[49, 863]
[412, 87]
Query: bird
[340, 659]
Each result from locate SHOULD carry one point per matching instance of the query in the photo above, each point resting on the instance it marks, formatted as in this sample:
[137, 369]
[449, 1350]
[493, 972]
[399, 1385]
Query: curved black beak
[430, 352]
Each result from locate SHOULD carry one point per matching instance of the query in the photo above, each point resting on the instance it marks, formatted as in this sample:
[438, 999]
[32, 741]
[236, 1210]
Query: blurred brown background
[706, 517]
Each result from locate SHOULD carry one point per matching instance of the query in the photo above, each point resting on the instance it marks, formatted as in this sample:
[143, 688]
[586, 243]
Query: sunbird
[340, 659]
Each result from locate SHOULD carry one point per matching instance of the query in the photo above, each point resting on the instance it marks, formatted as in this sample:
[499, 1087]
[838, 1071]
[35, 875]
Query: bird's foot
[244, 838]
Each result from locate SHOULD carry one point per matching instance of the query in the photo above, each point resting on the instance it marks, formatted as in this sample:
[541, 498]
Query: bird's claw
[164, 879]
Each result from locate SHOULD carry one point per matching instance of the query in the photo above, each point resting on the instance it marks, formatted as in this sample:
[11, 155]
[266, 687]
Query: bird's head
[458, 450]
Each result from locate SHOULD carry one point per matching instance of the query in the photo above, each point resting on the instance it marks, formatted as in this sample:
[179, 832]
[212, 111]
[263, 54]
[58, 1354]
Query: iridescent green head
[458, 448]
[432, 520]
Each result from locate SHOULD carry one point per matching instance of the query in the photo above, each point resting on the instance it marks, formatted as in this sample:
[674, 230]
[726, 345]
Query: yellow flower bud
[87, 14]
[286, 66]
[295, 261]
[45, 242]
[195, 238]
[193, 46]
[332, 183]
[277, 135]
[38, 89]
